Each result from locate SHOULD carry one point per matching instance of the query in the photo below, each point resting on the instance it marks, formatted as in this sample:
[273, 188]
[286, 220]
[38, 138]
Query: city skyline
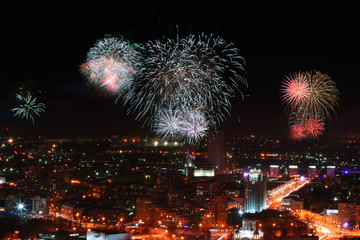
[274, 42]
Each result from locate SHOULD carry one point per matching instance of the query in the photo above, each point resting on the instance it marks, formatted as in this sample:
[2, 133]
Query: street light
[20, 207]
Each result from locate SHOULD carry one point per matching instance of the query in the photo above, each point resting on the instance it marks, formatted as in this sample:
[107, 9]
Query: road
[315, 221]
[273, 201]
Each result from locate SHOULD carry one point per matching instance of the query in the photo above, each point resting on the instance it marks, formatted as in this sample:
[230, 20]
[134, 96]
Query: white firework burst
[194, 126]
[167, 123]
[190, 72]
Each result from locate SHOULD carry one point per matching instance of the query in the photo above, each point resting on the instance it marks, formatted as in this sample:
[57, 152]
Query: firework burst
[167, 123]
[311, 98]
[324, 97]
[29, 107]
[182, 88]
[295, 89]
[190, 125]
[297, 132]
[314, 127]
[112, 64]
[194, 126]
[189, 72]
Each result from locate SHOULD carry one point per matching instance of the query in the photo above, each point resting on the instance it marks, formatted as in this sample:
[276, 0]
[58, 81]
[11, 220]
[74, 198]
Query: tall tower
[189, 165]
[216, 151]
[255, 192]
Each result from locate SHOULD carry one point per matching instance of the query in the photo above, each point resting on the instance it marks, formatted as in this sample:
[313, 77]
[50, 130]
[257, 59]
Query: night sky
[46, 42]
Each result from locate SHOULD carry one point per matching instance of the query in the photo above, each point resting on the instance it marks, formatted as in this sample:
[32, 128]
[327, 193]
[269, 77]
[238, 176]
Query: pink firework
[295, 89]
[297, 132]
[108, 73]
[314, 127]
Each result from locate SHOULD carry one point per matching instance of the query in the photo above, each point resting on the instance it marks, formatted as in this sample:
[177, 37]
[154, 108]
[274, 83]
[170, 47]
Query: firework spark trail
[112, 64]
[29, 107]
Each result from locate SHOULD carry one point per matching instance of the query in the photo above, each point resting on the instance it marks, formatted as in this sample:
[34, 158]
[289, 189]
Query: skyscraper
[189, 166]
[216, 151]
[255, 192]
[274, 171]
[293, 171]
[312, 172]
[330, 171]
[215, 214]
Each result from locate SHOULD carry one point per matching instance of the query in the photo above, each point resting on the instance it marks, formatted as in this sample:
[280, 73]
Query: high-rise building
[347, 214]
[330, 171]
[216, 151]
[312, 172]
[39, 204]
[293, 171]
[215, 215]
[189, 165]
[255, 192]
[274, 171]
[143, 209]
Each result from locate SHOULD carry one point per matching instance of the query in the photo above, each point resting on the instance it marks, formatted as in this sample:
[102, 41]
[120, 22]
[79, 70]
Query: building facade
[254, 192]
[312, 172]
[274, 171]
[215, 214]
[347, 214]
[216, 156]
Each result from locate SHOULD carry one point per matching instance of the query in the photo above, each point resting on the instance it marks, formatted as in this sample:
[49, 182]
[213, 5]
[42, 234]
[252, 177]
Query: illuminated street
[314, 220]
[273, 201]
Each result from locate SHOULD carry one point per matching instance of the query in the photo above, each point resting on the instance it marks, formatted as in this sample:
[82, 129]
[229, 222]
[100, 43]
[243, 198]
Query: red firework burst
[295, 89]
[314, 127]
[297, 132]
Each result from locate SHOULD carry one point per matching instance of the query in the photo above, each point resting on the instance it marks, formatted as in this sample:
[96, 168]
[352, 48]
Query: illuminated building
[292, 202]
[216, 151]
[249, 231]
[274, 171]
[255, 192]
[2, 180]
[107, 235]
[330, 171]
[293, 171]
[34, 176]
[330, 216]
[143, 206]
[177, 201]
[309, 238]
[168, 217]
[189, 165]
[204, 173]
[215, 214]
[312, 172]
[39, 204]
[67, 210]
[347, 213]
